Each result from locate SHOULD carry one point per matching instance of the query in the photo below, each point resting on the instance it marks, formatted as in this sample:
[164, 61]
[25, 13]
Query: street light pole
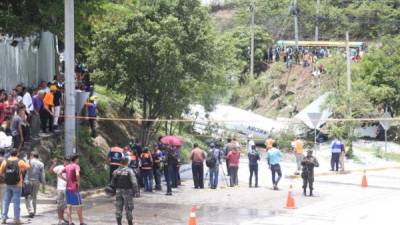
[69, 139]
[253, 9]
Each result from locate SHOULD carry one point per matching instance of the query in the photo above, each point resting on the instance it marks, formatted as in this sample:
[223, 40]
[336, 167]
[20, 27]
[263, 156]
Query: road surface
[339, 199]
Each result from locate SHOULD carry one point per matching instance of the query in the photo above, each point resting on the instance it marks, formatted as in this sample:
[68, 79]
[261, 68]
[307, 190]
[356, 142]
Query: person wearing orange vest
[146, 169]
[134, 164]
[114, 159]
[298, 148]
[268, 143]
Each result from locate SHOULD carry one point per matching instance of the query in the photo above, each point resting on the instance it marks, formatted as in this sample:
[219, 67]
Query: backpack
[12, 173]
[211, 160]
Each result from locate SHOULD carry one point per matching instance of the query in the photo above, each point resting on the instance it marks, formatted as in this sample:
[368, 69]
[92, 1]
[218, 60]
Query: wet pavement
[339, 199]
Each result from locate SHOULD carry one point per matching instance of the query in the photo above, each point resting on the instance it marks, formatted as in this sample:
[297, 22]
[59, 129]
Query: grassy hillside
[281, 91]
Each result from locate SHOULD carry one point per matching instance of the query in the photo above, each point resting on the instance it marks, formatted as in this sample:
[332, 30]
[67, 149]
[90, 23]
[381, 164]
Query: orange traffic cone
[364, 182]
[192, 217]
[290, 200]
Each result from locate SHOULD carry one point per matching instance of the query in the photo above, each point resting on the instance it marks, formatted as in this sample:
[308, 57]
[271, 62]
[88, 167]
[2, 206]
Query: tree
[23, 18]
[380, 69]
[163, 55]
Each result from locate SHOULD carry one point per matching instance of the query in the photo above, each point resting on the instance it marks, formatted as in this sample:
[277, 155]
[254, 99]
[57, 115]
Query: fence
[26, 63]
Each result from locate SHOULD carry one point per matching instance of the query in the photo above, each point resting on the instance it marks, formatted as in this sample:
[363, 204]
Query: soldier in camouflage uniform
[308, 163]
[125, 183]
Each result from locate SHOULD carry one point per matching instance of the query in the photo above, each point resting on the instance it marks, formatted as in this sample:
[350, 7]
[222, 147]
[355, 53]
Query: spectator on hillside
[10, 106]
[37, 102]
[47, 112]
[3, 99]
[92, 113]
[58, 101]
[17, 128]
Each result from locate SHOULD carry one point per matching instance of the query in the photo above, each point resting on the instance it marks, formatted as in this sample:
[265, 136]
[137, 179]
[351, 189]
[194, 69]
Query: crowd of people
[31, 112]
[231, 152]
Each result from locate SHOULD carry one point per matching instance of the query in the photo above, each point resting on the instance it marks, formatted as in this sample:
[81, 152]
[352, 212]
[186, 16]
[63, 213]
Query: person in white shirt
[27, 101]
[250, 143]
[61, 186]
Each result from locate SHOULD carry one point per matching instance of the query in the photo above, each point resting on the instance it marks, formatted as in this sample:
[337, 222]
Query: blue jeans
[276, 169]
[214, 176]
[148, 180]
[12, 193]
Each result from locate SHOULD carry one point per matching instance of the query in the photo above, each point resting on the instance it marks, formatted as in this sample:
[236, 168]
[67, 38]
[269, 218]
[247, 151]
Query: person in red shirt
[72, 193]
[3, 98]
[233, 157]
[10, 106]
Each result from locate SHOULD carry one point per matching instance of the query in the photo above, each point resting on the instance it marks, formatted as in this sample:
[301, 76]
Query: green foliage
[380, 69]
[94, 172]
[284, 139]
[364, 19]
[22, 18]
[165, 55]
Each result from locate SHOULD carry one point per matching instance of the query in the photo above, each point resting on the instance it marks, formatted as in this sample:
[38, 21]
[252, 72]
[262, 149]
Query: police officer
[308, 163]
[114, 159]
[125, 183]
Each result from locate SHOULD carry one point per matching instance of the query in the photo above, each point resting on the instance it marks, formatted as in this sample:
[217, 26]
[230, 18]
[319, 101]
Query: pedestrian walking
[61, 187]
[12, 169]
[197, 156]
[233, 157]
[147, 169]
[114, 158]
[157, 156]
[72, 194]
[125, 183]
[274, 156]
[308, 163]
[254, 157]
[298, 148]
[213, 161]
[336, 149]
[35, 176]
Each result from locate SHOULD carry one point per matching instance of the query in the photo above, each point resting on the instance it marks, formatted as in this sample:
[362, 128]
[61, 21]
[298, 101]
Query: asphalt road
[339, 199]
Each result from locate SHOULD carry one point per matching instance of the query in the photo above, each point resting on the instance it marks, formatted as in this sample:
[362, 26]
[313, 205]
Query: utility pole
[296, 25]
[349, 84]
[69, 138]
[317, 21]
[253, 9]
[348, 57]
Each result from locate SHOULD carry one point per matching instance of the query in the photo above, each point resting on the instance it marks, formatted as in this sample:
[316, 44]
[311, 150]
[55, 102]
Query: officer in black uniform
[125, 183]
[308, 163]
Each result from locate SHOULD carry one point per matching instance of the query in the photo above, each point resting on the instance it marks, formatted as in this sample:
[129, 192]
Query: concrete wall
[26, 63]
